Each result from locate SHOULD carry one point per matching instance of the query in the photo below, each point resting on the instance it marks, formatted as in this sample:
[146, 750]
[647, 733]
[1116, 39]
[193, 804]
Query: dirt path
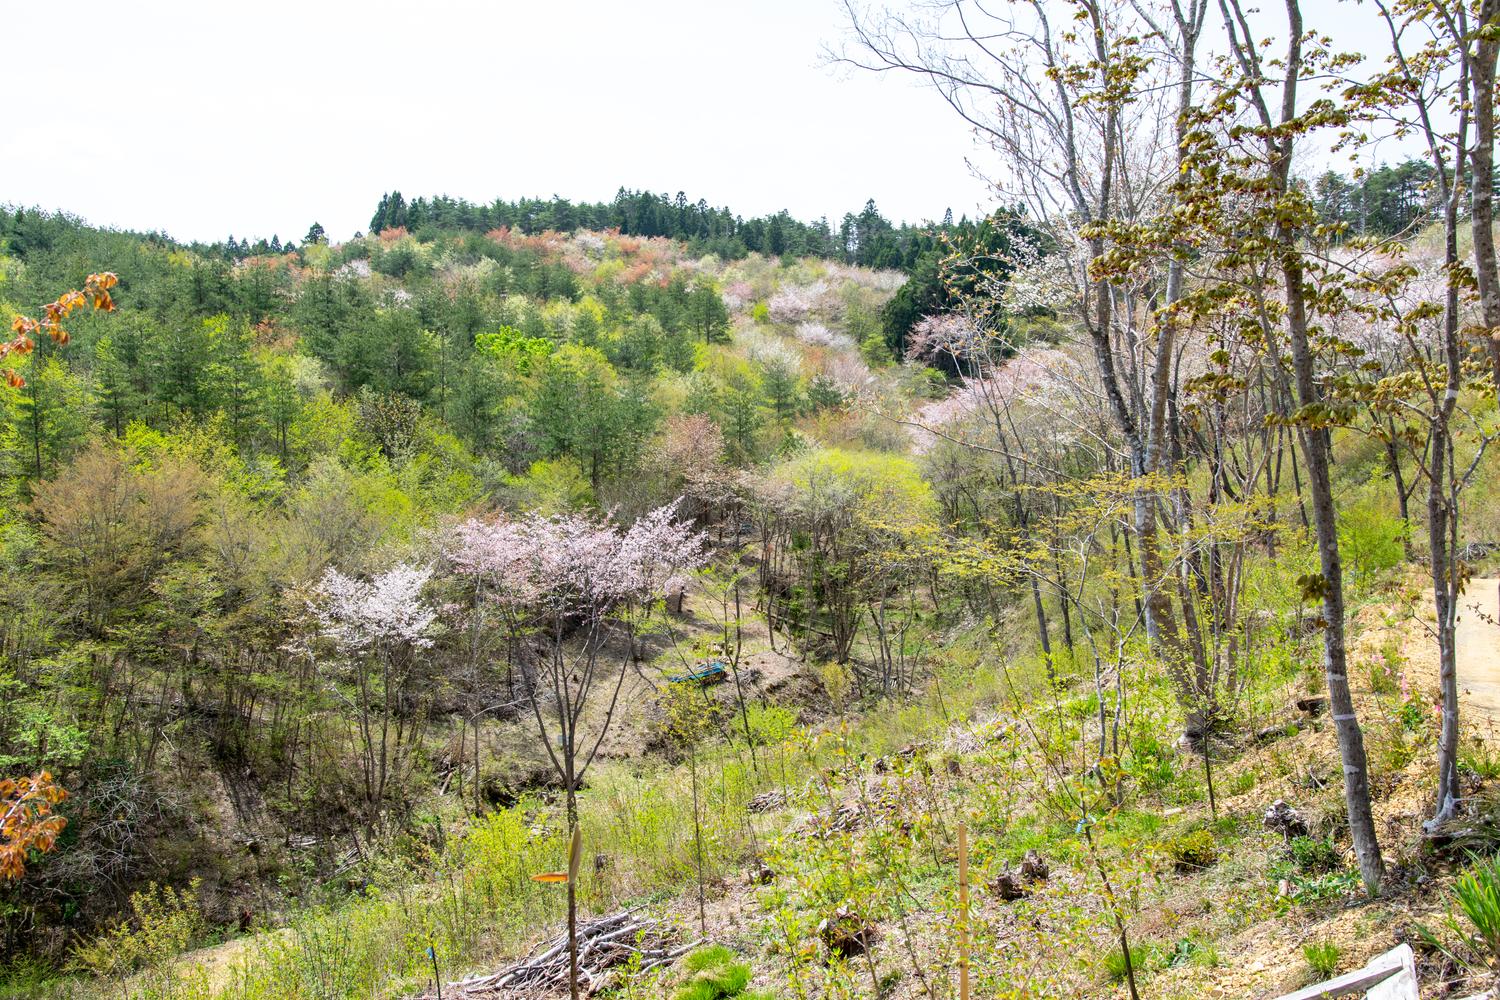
[1479, 657]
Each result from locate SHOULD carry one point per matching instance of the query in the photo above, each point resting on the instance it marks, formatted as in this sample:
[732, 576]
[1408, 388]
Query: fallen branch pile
[605, 945]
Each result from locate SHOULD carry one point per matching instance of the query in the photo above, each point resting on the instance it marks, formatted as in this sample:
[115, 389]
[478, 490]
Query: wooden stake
[963, 911]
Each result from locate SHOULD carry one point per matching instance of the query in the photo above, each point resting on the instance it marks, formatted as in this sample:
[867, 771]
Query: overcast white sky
[208, 118]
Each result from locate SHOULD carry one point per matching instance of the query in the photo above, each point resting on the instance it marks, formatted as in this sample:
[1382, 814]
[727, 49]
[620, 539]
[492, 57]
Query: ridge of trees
[866, 238]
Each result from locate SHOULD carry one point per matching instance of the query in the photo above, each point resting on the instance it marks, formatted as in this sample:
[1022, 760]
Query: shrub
[714, 973]
[768, 723]
[1322, 958]
[1371, 539]
[1192, 851]
[1313, 855]
[1190, 951]
[1325, 888]
[1481, 762]
[1314, 870]
[1151, 762]
[1143, 955]
[1385, 673]
[165, 922]
[1412, 714]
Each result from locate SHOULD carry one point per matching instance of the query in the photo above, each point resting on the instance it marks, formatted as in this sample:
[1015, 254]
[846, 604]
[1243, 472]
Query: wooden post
[575, 856]
[963, 911]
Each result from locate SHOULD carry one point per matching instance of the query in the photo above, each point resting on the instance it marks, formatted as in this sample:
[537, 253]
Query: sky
[206, 119]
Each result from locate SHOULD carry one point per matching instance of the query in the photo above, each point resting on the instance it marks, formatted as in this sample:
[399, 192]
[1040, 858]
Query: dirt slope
[1479, 656]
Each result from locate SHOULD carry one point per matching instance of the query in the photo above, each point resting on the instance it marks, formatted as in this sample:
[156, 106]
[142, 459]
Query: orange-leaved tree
[95, 294]
[27, 820]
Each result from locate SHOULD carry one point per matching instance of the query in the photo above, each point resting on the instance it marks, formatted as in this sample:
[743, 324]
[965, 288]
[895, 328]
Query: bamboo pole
[963, 911]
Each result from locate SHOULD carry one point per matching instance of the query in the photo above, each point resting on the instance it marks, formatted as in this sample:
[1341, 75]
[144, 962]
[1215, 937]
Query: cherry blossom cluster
[737, 295]
[592, 244]
[880, 281]
[361, 616]
[456, 274]
[575, 565]
[793, 303]
[769, 351]
[1041, 280]
[818, 335]
[1040, 387]
[947, 336]
[848, 371]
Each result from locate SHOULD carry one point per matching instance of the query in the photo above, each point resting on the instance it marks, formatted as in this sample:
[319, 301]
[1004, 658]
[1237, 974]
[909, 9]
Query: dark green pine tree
[377, 221]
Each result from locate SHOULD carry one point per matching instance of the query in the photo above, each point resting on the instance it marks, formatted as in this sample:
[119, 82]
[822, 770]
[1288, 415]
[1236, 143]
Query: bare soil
[1478, 656]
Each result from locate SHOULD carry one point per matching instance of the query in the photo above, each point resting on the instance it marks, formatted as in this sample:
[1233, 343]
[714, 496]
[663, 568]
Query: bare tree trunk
[1477, 69]
[1445, 602]
[1442, 515]
[1482, 159]
[1317, 443]
[1315, 447]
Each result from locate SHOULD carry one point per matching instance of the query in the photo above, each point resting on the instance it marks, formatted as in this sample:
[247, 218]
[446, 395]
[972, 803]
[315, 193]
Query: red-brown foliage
[27, 822]
[95, 294]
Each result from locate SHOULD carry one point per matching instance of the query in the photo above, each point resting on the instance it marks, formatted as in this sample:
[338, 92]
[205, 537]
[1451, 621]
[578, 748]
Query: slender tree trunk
[1316, 446]
[1477, 71]
[1403, 507]
[1445, 602]
[1442, 523]
[1482, 158]
[698, 836]
[1041, 625]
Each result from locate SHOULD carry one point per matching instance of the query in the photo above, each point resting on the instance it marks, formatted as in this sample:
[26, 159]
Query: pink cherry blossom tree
[950, 340]
[688, 455]
[792, 304]
[561, 588]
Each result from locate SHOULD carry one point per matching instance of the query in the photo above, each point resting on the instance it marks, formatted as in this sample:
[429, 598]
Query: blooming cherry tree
[388, 611]
[818, 335]
[561, 583]
[947, 339]
[375, 629]
[791, 304]
[564, 582]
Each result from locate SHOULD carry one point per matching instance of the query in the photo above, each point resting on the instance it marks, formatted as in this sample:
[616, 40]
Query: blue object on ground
[706, 672]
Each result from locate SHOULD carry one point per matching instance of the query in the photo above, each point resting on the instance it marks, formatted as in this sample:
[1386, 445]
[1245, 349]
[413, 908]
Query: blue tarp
[705, 672]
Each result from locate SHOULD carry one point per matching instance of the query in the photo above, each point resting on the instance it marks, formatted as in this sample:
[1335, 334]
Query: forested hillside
[191, 476]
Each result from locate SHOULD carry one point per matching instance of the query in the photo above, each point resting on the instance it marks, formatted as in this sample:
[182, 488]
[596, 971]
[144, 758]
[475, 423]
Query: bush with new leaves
[714, 974]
